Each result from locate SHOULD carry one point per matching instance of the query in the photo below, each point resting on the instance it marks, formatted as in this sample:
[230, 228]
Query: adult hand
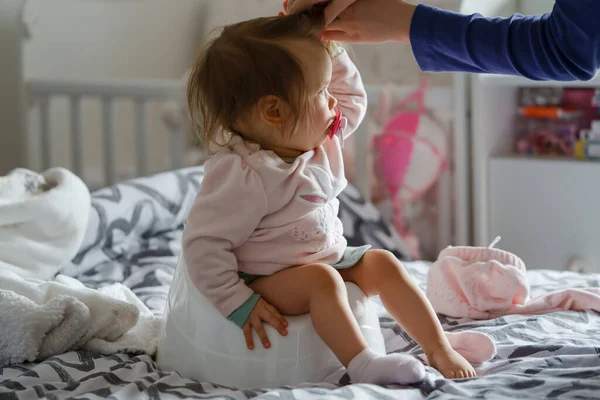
[371, 21]
[333, 9]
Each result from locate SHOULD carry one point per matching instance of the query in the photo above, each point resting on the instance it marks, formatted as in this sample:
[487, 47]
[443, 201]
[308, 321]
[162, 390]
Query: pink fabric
[482, 283]
[257, 214]
[475, 347]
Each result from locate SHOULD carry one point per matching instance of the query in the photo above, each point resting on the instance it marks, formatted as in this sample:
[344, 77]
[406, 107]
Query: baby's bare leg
[320, 290]
[380, 273]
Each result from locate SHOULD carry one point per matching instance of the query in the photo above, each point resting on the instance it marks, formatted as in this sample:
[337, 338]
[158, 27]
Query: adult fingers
[335, 8]
[338, 37]
[297, 6]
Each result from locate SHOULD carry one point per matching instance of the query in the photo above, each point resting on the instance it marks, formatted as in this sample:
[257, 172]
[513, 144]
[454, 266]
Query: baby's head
[267, 80]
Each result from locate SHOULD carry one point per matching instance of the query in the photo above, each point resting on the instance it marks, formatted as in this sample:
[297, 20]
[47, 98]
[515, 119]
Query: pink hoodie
[257, 214]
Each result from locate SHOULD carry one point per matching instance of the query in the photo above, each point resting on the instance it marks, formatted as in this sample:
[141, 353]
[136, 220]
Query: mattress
[134, 237]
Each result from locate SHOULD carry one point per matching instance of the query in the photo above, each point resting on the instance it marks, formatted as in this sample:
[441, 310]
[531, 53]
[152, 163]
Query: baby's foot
[370, 367]
[451, 364]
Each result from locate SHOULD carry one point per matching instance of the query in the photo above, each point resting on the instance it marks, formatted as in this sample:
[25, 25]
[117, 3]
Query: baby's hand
[263, 311]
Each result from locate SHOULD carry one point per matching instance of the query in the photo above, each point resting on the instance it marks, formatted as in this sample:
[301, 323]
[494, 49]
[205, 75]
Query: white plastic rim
[200, 344]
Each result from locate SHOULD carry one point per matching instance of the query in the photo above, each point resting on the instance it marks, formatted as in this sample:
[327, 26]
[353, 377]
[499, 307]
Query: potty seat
[199, 343]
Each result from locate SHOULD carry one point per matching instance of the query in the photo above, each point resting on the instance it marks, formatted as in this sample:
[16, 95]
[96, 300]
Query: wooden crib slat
[141, 140]
[108, 123]
[46, 139]
[76, 135]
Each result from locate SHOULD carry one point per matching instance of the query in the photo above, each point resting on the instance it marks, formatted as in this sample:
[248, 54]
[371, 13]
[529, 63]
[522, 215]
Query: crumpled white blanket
[43, 219]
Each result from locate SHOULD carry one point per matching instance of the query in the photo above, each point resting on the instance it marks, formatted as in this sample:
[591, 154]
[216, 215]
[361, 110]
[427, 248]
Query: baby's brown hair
[247, 61]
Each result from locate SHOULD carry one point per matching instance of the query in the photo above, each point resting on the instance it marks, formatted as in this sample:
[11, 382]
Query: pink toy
[409, 156]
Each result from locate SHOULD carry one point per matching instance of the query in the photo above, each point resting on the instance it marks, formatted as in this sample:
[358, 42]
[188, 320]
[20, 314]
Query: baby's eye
[322, 91]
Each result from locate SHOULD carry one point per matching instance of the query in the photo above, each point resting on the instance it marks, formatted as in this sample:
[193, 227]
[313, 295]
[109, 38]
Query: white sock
[370, 367]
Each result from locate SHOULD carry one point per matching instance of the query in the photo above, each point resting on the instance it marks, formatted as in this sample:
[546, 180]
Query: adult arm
[562, 45]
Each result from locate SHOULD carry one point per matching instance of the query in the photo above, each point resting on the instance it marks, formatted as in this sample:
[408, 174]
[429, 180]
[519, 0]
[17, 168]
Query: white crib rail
[41, 91]
[107, 91]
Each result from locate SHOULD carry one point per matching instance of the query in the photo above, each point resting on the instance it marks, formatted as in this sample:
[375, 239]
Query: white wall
[126, 39]
[83, 38]
[77, 39]
[534, 7]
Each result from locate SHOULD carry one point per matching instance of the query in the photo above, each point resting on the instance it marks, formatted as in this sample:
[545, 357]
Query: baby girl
[263, 239]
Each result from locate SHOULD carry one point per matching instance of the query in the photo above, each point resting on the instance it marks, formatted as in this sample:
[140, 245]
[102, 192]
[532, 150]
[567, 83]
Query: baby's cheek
[324, 116]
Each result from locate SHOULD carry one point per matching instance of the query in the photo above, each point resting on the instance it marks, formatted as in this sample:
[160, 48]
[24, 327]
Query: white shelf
[494, 101]
[515, 81]
[541, 159]
[546, 209]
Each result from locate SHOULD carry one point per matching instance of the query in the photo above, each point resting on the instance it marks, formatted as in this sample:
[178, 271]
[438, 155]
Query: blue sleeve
[562, 45]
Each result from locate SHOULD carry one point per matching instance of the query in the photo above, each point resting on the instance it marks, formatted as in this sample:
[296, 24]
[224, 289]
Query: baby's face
[313, 130]
[317, 67]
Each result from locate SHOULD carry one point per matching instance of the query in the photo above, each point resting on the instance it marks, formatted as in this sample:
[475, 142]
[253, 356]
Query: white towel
[43, 219]
[39, 319]
[143, 337]
[29, 331]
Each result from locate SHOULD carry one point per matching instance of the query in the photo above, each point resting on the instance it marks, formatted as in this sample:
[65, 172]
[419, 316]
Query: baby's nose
[332, 102]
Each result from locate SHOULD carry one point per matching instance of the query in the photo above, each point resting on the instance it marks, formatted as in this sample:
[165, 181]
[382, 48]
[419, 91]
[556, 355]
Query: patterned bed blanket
[134, 238]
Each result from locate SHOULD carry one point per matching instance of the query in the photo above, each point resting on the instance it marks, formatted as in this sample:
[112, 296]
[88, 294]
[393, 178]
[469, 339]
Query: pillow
[363, 224]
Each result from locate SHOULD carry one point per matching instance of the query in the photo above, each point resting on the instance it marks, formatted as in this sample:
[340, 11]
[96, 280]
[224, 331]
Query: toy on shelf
[588, 141]
[596, 99]
[582, 99]
[552, 121]
[540, 96]
[410, 153]
[547, 136]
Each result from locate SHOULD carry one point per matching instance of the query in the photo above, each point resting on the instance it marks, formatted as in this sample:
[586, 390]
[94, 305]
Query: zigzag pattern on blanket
[535, 362]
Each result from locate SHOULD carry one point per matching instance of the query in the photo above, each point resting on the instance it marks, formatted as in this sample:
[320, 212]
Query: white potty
[200, 344]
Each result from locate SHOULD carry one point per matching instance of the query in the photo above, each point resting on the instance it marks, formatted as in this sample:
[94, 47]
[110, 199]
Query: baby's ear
[270, 110]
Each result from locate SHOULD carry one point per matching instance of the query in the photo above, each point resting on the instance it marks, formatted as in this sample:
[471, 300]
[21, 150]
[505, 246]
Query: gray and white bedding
[134, 237]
